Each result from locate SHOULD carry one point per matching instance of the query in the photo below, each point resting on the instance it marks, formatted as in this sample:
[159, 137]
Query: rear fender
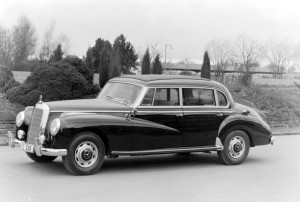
[258, 131]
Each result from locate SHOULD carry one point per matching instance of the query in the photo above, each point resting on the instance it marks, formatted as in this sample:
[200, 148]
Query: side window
[198, 97]
[222, 99]
[166, 97]
[148, 99]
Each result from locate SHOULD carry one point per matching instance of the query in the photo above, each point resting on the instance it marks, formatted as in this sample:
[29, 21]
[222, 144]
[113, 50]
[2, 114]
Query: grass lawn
[21, 76]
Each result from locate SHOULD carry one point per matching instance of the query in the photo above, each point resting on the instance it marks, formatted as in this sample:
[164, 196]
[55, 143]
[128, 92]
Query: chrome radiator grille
[38, 122]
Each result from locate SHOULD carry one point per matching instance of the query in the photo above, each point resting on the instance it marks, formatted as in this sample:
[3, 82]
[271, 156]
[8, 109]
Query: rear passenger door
[202, 117]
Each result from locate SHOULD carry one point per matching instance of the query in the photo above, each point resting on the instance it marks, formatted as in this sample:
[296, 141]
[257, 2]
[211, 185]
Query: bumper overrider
[39, 150]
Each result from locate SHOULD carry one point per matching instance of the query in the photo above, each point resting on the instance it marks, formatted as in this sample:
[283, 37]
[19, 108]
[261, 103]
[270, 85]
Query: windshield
[121, 92]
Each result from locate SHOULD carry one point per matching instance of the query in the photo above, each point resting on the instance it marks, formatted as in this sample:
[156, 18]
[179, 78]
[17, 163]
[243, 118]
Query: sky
[186, 25]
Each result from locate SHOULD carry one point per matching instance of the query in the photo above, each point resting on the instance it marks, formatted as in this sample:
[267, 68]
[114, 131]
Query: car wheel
[40, 159]
[85, 155]
[236, 148]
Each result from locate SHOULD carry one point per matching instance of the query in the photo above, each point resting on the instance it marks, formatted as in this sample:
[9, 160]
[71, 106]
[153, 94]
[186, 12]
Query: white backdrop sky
[185, 24]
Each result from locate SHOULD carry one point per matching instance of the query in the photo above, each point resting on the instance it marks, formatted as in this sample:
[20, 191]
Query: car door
[202, 117]
[157, 120]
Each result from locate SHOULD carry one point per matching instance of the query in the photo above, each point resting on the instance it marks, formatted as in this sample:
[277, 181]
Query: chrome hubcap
[236, 147]
[86, 154]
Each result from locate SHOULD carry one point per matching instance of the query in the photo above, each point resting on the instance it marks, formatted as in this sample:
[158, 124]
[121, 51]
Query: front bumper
[39, 150]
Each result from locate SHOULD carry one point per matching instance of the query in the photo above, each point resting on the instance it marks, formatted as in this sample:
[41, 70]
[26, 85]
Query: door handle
[179, 114]
[220, 115]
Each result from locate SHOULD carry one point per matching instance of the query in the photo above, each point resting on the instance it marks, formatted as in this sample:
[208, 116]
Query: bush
[7, 70]
[27, 65]
[5, 76]
[245, 79]
[10, 84]
[81, 67]
[57, 81]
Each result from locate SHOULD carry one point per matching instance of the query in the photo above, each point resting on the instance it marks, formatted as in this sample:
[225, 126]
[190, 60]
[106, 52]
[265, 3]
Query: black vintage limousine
[141, 115]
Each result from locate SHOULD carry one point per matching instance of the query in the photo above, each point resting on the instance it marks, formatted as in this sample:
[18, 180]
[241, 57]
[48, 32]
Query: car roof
[152, 80]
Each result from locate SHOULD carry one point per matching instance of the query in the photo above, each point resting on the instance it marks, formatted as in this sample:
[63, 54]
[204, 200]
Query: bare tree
[153, 51]
[221, 56]
[24, 39]
[6, 46]
[279, 53]
[47, 44]
[248, 51]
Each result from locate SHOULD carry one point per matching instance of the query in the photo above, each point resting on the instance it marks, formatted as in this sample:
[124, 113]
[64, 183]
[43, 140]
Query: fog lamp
[21, 134]
[42, 139]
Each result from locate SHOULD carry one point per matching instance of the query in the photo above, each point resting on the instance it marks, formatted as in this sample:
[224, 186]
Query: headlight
[54, 127]
[20, 118]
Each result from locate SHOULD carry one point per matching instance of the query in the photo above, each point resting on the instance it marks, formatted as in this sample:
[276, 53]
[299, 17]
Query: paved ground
[271, 173]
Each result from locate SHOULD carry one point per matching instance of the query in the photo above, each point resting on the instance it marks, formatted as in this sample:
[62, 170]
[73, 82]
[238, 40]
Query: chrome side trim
[168, 151]
[201, 112]
[38, 148]
[156, 112]
[89, 112]
[74, 113]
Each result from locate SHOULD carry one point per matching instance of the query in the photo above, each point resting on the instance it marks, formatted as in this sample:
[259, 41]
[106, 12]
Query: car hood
[87, 105]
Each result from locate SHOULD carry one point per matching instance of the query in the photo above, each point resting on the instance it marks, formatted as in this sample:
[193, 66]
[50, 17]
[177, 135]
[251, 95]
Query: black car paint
[147, 132]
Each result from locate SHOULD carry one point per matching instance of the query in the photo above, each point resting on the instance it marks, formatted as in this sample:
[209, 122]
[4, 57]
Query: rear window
[222, 99]
[198, 97]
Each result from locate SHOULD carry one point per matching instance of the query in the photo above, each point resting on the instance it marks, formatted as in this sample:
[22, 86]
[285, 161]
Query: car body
[141, 115]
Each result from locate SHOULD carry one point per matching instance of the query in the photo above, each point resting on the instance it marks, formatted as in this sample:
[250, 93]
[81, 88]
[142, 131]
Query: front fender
[114, 129]
[259, 132]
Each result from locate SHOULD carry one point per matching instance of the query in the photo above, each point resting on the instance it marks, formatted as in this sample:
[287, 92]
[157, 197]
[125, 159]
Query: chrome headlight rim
[20, 118]
[54, 127]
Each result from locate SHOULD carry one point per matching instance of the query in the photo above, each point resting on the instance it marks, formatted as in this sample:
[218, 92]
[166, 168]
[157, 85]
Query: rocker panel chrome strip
[168, 151]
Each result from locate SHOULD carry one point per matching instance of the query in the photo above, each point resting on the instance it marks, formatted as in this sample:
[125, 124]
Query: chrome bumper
[272, 140]
[38, 147]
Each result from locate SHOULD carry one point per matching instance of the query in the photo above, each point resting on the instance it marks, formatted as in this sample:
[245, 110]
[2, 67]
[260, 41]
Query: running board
[168, 151]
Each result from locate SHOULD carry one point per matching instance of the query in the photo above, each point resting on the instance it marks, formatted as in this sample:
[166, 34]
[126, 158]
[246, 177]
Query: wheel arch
[97, 132]
[232, 126]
